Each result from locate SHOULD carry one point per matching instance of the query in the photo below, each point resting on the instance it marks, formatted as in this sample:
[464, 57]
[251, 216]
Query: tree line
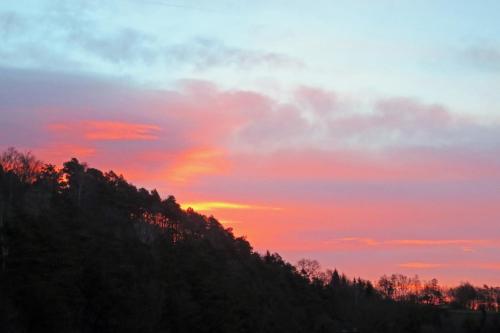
[83, 250]
[402, 288]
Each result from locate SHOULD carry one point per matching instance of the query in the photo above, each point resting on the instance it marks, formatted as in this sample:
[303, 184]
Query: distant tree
[386, 286]
[431, 293]
[369, 289]
[24, 165]
[309, 268]
[401, 286]
[335, 280]
[464, 296]
[75, 177]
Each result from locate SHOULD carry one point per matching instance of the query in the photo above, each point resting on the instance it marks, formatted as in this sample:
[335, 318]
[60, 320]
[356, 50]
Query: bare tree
[24, 165]
[309, 268]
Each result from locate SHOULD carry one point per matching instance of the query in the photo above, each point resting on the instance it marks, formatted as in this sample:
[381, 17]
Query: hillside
[86, 251]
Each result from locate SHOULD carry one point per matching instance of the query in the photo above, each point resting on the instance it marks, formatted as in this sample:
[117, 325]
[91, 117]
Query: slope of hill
[85, 251]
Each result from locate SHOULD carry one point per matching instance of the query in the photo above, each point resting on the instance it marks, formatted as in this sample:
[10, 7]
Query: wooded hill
[85, 251]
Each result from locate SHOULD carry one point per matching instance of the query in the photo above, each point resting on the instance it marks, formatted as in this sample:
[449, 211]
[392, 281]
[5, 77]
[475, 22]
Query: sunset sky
[363, 134]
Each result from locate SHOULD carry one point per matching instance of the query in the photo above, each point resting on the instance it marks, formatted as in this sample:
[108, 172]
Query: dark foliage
[85, 251]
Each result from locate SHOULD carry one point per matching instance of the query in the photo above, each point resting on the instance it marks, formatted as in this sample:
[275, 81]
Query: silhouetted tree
[431, 293]
[464, 296]
[309, 268]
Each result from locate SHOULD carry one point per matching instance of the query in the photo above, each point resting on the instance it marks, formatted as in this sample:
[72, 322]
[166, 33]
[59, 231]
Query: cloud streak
[415, 243]
[485, 57]
[108, 130]
[206, 53]
[217, 205]
[421, 265]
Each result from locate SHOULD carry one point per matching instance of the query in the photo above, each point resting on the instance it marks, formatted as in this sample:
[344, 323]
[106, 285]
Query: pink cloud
[319, 100]
[426, 165]
[395, 112]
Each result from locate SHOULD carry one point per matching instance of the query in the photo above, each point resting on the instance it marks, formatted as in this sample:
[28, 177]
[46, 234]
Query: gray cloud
[484, 57]
[123, 46]
[204, 53]
[76, 29]
[10, 25]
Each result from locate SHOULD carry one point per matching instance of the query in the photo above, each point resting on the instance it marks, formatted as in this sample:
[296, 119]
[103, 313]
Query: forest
[86, 251]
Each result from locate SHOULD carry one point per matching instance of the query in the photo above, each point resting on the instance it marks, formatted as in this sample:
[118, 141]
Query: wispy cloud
[485, 57]
[218, 205]
[10, 24]
[421, 265]
[108, 130]
[123, 46]
[207, 53]
[442, 242]
[466, 245]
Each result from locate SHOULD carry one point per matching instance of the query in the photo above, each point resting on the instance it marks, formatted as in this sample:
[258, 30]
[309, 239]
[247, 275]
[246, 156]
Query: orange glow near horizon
[215, 205]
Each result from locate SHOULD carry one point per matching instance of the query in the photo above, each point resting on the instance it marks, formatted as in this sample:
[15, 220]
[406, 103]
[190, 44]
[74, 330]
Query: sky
[362, 134]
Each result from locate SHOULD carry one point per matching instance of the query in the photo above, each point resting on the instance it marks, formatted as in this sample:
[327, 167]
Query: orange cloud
[108, 130]
[465, 244]
[113, 130]
[213, 205]
[230, 222]
[364, 241]
[439, 242]
[420, 265]
[197, 162]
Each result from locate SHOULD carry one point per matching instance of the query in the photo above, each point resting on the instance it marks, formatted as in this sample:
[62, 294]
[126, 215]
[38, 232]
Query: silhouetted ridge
[85, 251]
